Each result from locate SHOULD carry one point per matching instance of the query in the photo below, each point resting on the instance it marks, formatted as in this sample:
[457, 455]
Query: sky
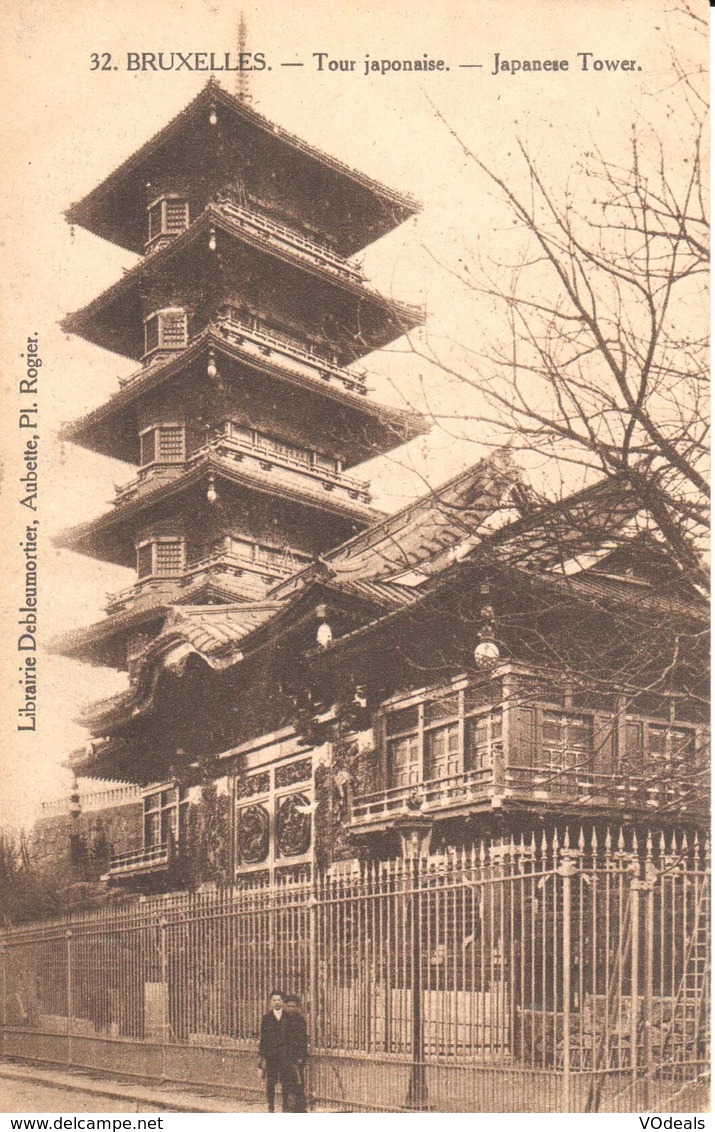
[66, 126]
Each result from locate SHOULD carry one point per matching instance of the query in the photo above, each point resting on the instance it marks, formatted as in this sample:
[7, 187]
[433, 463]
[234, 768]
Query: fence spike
[567, 840]
[581, 840]
[649, 846]
[608, 839]
[594, 840]
[621, 839]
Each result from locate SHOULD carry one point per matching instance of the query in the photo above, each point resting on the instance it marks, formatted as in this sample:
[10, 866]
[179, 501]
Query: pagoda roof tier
[105, 642]
[111, 536]
[331, 307]
[247, 151]
[305, 387]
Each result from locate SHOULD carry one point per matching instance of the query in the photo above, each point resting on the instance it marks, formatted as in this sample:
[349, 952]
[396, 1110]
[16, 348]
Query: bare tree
[594, 349]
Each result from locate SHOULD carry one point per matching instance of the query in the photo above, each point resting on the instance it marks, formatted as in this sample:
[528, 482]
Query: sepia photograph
[354, 729]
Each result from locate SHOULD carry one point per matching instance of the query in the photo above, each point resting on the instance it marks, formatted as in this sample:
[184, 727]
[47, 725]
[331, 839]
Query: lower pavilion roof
[350, 317]
[105, 642]
[360, 426]
[536, 544]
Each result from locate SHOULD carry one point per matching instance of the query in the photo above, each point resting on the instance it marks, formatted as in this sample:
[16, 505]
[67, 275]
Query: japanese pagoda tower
[248, 412]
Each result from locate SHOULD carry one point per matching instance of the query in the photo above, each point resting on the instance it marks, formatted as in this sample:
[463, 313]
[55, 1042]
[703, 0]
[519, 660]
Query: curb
[74, 1084]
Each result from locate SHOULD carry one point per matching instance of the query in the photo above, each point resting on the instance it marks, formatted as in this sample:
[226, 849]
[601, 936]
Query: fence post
[566, 870]
[164, 993]
[417, 1090]
[635, 969]
[70, 995]
[649, 888]
[3, 949]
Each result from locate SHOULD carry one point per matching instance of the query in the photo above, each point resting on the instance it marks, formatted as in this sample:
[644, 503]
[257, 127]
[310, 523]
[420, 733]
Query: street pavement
[29, 1088]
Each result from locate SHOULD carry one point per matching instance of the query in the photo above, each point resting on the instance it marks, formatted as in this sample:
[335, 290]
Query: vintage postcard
[354, 703]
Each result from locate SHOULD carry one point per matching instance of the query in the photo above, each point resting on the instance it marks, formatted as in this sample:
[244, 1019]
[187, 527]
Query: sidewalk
[173, 1098]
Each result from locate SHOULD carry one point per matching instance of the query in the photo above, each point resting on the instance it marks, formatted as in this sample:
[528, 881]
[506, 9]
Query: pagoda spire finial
[242, 82]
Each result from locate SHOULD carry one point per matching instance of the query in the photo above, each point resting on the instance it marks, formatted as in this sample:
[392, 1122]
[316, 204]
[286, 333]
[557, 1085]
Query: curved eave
[289, 620]
[362, 209]
[115, 319]
[110, 537]
[98, 644]
[112, 429]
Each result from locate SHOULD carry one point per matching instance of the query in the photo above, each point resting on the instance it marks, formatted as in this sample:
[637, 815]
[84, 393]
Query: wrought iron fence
[529, 976]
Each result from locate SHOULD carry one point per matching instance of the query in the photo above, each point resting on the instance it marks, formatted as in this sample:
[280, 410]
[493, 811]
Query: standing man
[275, 1049]
[299, 1042]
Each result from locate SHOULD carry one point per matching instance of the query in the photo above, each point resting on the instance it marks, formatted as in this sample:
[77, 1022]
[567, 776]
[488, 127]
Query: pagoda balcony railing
[436, 794]
[287, 351]
[296, 241]
[265, 455]
[269, 342]
[158, 590]
[147, 859]
[230, 561]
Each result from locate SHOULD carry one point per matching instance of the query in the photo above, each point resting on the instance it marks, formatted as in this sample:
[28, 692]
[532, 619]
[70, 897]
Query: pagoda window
[165, 817]
[567, 740]
[161, 558]
[655, 743]
[166, 330]
[163, 444]
[168, 216]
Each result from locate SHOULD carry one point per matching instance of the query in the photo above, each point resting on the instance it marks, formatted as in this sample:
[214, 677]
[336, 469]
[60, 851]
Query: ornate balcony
[139, 862]
[288, 351]
[520, 741]
[438, 794]
[262, 454]
[278, 234]
[254, 567]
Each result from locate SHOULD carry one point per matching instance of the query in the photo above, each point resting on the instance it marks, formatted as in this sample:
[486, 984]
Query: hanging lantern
[212, 239]
[212, 494]
[324, 636]
[211, 370]
[487, 650]
[213, 116]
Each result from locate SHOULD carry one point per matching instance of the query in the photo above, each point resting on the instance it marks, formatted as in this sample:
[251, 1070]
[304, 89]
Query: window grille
[170, 443]
[167, 216]
[166, 330]
[163, 444]
[168, 558]
[163, 558]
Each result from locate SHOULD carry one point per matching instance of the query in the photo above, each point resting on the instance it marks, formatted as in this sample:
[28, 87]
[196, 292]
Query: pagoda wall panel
[266, 520]
[270, 411]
